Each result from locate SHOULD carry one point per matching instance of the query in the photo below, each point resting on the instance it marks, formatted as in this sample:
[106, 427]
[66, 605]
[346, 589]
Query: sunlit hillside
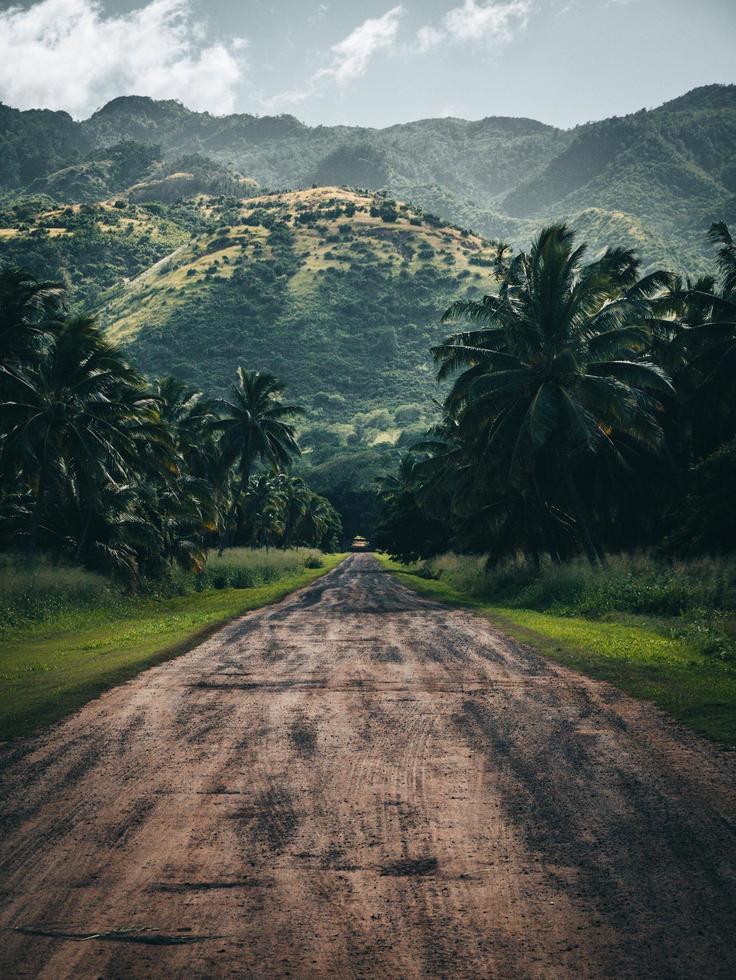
[357, 281]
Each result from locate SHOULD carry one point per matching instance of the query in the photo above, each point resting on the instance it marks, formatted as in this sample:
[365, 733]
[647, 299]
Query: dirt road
[360, 783]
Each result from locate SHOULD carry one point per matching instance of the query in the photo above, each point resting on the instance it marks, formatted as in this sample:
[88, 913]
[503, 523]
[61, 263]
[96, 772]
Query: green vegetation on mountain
[352, 282]
[666, 173]
[142, 213]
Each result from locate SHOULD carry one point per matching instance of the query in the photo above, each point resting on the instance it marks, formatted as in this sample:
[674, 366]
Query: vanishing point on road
[359, 782]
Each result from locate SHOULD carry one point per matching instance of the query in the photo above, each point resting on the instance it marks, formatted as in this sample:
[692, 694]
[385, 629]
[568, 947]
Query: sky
[367, 62]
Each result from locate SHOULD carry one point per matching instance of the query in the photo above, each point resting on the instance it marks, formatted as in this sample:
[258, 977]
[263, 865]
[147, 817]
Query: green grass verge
[51, 669]
[636, 655]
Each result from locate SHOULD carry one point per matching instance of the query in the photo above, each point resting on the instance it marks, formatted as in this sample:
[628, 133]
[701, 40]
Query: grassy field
[653, 658]
[55, 661]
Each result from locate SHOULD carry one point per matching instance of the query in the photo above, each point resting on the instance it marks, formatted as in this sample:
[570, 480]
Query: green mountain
[161, 219]
[337, 292]
[660, 175]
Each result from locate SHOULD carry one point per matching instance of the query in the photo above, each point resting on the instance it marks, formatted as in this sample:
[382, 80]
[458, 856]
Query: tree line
[102, 467]
[591, 409]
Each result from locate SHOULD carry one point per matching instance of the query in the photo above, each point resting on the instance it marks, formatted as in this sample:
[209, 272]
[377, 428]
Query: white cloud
[493, 23]
[350, 59]
[66, 54]
[429, 37]
[487, 22]
[351, 56]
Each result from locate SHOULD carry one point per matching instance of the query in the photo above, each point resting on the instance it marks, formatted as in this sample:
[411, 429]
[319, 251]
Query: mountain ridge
[721, 93]
[669, 168]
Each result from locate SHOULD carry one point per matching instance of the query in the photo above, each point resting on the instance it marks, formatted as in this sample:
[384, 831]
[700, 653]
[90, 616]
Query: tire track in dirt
[360, 783]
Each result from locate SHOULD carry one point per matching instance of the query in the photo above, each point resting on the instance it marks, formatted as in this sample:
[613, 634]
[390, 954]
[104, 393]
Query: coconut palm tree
[556, 366]
[706, 347]
[77, 421]
[297, 507]
[255, 428]
[264, 505]
[29, 311]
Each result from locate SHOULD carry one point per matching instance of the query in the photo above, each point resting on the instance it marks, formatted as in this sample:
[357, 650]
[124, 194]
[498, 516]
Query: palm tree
[704, 348]
[297, 505]
[720, 235]
[189, 415]
[308, 518]
[29, 311]
[556, 367]
[265, 504]
[202, 476]
[255, 429]
[79, 420]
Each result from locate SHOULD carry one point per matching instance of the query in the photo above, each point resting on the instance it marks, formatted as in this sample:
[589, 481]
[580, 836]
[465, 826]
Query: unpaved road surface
[361, 783]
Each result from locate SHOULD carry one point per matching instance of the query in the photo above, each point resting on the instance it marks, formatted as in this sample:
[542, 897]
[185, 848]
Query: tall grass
[246, 568]
[44, 592]
[690, 600]
[41, 591]
[631, 583]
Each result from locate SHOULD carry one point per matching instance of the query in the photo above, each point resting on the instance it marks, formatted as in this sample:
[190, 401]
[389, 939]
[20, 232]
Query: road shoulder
[693, 689]
[45, 678]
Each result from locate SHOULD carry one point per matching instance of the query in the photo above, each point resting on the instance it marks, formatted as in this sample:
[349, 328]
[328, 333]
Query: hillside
[167, 221]
[665, 173]
[337, 292]
[671, 169]
[93, 247]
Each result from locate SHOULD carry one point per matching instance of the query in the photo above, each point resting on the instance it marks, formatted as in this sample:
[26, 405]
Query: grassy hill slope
[93, 247]
[337, 292]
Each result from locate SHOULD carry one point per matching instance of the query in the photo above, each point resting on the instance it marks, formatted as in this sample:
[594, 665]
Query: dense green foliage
[105, 469]
[591, 409]
[365, 323]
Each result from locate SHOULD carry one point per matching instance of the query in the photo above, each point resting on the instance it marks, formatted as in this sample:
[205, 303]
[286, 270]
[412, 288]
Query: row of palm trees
[101, 467]
[583, 395]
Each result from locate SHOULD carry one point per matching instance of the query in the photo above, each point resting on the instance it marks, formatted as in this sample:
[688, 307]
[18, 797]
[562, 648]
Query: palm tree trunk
[82, 543]
[36, 514]
[547, 530]
[594, 554]
[233, 512]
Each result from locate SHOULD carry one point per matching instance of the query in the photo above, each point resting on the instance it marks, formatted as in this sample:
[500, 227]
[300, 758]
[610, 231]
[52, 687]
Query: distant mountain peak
[155, 108]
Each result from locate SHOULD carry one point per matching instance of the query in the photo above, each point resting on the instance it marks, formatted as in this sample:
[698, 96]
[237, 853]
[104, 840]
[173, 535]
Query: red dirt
[361, 783]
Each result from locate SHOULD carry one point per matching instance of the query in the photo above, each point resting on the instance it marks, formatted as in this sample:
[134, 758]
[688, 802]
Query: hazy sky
[368, 62]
